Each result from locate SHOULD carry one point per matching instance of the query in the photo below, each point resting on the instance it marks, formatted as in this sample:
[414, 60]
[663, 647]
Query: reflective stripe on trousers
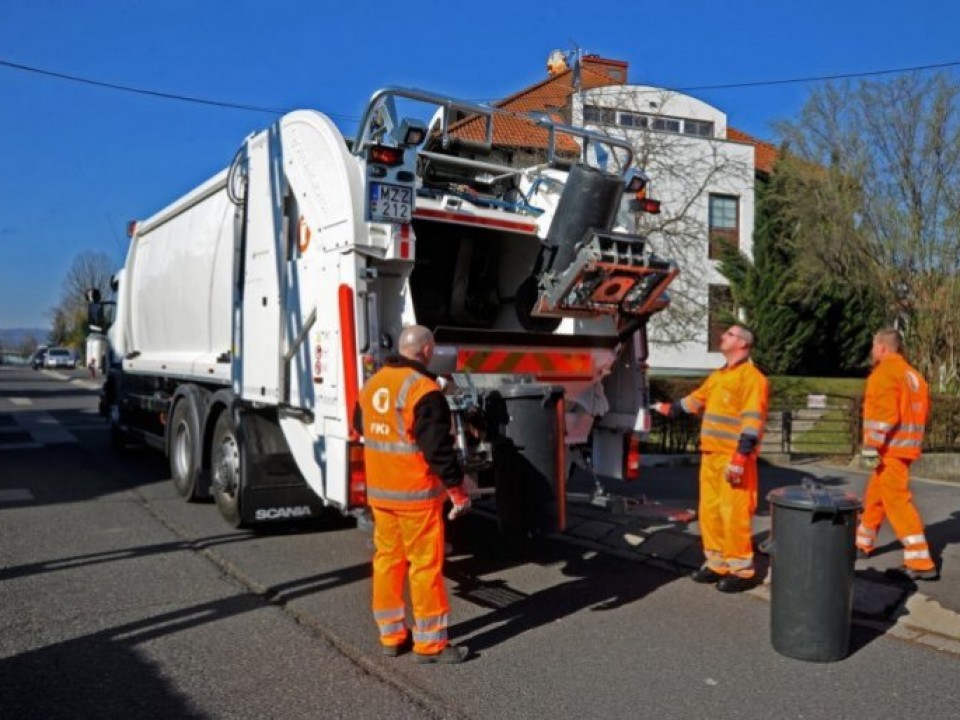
[725, 513]
[866, 538]
[888, 495]
[409, 546]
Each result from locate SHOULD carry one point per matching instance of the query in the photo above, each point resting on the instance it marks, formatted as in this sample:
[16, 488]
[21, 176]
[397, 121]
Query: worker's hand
[734, 472]
[461, 502]
[662, 408]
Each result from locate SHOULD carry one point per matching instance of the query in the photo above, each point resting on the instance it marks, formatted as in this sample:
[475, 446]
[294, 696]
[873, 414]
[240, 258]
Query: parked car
[36, 360]
[59, 357]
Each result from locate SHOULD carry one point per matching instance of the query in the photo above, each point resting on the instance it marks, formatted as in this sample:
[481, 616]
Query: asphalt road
[117, 599]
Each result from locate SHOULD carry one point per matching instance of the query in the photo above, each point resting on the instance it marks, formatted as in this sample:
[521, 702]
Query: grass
[794, 386]
[830, 435]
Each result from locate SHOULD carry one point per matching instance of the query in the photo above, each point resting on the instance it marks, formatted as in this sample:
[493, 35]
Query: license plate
[390, 203]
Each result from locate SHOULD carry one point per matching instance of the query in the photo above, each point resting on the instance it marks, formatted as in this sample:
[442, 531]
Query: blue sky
[77, 162]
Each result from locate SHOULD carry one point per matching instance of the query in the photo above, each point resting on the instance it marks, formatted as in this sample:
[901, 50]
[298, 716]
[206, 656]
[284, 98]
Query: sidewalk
[657, 532]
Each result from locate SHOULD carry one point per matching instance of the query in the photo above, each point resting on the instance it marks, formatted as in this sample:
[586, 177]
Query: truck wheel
[185, 448]
[226, 467]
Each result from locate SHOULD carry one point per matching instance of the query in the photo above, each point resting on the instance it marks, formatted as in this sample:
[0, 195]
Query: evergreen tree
[807, 323]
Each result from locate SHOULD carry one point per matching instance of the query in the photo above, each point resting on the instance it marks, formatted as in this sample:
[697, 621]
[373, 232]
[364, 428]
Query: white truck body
[270, 293]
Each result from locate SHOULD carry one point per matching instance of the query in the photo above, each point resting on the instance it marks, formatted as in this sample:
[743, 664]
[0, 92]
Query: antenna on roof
[577, 56]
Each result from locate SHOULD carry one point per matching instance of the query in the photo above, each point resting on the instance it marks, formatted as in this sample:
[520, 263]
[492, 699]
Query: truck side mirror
[100, 315]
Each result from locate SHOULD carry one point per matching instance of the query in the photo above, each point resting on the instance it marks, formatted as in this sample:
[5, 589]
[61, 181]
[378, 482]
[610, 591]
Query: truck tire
[185, 448]
[226, 468]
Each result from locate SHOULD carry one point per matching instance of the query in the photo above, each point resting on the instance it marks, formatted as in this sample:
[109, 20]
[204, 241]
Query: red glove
[662, 407]
[734, 473]
[461, 501]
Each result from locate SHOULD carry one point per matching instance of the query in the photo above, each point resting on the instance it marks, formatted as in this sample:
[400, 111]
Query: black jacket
[432, 427]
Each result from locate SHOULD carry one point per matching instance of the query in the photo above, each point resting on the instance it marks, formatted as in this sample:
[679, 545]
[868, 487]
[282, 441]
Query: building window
[629, 119]
[724, 229]
[665, 124]
[702, 128]
[720, 314]
[599, 115]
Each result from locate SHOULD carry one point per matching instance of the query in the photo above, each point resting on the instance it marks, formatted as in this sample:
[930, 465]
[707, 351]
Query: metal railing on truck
[383, 99]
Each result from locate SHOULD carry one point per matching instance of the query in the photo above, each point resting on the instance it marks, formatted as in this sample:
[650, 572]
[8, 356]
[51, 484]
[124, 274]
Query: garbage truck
[250, 311]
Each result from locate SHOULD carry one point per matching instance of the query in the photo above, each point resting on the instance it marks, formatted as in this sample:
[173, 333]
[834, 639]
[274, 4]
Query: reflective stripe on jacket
[895, 409]
[733, 401]
[398, 475]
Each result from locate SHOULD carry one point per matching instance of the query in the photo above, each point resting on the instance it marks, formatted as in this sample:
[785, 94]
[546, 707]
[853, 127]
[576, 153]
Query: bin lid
[810, 496]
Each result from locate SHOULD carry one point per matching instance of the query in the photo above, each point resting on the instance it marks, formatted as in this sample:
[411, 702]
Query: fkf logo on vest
[381, 403]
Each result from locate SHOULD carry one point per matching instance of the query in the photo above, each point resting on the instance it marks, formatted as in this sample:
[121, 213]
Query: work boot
[450, 655]
[906, 573]
[735, 584]
[404, 646]
[705, 575]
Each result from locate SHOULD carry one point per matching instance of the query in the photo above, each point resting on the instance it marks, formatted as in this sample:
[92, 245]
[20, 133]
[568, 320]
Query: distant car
[36, 360]
[59, 357]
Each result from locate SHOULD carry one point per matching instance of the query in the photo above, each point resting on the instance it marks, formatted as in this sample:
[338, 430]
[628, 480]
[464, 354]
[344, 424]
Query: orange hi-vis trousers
[725, 514]
[888, 494]
[409, 543]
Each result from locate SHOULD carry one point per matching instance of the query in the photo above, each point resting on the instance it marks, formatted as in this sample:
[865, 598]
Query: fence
[810, 425]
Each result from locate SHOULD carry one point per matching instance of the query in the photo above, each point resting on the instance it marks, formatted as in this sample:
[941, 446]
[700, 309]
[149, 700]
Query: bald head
[886, 342]
[890, 338]
[417, 343]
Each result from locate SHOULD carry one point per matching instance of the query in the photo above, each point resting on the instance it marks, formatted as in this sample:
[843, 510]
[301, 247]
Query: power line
[793, 81]
[348, 118]
[156, 93]
[822, 78]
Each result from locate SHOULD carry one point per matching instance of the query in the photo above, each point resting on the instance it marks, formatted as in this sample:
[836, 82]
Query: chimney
[616, 70]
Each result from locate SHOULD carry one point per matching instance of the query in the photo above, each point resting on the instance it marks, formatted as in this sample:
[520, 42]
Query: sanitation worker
[733, 401]
[895, 408]
[411, 468]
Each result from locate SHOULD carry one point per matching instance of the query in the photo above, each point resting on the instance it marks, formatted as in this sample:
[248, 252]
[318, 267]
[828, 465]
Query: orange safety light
[384, 155]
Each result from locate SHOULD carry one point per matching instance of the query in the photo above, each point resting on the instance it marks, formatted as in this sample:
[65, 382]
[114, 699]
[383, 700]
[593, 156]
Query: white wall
[684, 170]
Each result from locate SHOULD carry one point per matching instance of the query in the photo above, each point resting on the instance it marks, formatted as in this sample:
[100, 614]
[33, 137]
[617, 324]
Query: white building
[705, 183]
[701, 170]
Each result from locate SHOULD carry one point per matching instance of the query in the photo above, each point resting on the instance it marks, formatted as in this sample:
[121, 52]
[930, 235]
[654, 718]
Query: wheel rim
[182, 451]
[226, 467]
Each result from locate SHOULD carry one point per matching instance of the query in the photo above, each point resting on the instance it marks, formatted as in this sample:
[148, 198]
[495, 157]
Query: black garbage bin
[526, 431]
[812, 557]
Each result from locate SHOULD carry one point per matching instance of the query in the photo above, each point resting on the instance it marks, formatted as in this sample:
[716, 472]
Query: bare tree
[878, 202]
[684, 169]
[89, 270]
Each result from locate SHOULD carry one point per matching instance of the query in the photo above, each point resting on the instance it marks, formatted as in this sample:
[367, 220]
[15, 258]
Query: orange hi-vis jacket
[398, 475]
[895, 409]
[734, 403]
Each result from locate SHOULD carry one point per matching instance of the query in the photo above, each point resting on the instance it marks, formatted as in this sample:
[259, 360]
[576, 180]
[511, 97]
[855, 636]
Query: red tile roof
[764, 154]
[550, 96]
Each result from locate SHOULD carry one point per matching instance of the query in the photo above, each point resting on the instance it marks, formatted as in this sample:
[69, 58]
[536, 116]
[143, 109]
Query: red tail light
[631, 457]
[650, 206]
[357, 496]
[383, 155]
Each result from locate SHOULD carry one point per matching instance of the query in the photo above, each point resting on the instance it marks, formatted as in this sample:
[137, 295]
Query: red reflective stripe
[348, 345]
[552, 364]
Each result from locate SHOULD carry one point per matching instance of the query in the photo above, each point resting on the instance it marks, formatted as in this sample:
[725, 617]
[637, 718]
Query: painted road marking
[33, 430]
[20, 401]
